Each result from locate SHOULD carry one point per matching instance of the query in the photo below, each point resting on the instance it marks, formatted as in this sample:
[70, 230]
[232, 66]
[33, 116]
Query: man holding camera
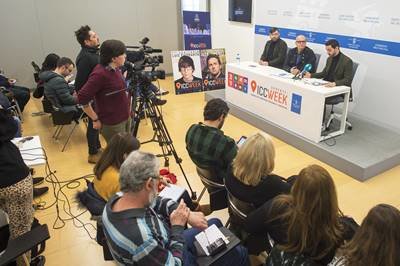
[144, 229]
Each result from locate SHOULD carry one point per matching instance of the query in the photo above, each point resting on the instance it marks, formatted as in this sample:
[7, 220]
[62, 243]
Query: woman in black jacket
[15, 181]
[250, 180]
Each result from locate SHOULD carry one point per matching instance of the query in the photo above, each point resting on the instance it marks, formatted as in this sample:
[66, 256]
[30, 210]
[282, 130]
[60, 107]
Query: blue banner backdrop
[350, 42]
[196, 30]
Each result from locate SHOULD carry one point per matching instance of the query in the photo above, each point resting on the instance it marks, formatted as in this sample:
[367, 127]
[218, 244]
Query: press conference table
[271, 93]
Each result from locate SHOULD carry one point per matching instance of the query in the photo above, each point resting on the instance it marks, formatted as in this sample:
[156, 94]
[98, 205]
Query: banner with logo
[196, 30]
[198, 70]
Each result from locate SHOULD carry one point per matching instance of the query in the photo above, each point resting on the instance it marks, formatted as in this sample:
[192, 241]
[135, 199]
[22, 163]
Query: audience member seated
[16, 187]
[307, 223]
[56, 87]
[251, 180]
[300, 56]
[206, 143]
[21, 94]
[6, 105]
[106, 182]
[376, 242]
[49, 64]
[143, 229]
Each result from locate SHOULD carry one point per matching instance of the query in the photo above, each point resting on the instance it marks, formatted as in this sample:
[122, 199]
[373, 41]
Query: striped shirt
[209, 147]
[144, 236]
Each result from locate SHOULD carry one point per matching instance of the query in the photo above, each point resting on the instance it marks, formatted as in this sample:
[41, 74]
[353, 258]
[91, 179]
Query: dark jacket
[269, 187]
[12, 167]
[343, 73]
[58, 92]
[279, 54]
[307, 57]
[86, 60]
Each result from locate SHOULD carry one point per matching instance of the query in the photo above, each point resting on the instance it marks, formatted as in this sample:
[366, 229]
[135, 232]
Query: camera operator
[107, 87]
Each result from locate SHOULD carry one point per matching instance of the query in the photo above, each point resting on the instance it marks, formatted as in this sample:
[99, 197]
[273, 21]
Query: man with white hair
[300, 56]
[144, 229]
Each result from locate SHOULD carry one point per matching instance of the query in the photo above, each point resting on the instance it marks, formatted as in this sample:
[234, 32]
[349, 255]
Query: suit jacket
[343, 73]
[279, 54]
[307, 57]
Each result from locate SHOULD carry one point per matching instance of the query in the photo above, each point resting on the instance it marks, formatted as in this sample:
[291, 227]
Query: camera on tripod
[142, 65]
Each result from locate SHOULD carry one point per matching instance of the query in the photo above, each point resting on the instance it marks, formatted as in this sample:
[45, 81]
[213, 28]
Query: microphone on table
[306, 68]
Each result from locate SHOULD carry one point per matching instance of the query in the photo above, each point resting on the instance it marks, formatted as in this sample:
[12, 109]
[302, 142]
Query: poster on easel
[198, 70]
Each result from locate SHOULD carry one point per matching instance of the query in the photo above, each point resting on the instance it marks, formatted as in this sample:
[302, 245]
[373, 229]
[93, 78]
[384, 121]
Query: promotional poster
[196, 30]
[198, 70]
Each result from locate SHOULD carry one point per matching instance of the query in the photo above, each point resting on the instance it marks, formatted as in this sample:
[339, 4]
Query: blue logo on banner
[296, 103]
[350, 42]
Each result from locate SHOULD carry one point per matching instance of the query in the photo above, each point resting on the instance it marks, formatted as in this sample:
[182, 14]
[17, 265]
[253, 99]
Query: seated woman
[250, 179]
[49, 64]
[376, 242]
[307, 223]
[16, 189]
[106, 182]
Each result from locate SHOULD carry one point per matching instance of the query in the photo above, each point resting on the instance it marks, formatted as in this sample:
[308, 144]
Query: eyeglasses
[300, 41]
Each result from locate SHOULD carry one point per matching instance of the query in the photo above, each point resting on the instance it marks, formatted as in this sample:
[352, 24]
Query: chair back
[238, 209]
[209, 177]
[317, 58]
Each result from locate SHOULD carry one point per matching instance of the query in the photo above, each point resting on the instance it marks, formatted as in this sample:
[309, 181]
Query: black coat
[278, 56]
[58, 91]
[86, 60]
[307, 57]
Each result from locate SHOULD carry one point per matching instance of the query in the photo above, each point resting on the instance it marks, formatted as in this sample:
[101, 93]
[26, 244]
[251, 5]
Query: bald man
[300, 56]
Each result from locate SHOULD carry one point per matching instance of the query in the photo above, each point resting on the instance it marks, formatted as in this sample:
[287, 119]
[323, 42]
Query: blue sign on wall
[196, 30]
[350, 42]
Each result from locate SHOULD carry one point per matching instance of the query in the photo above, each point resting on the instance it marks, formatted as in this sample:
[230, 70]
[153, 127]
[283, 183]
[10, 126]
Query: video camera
[141, 64]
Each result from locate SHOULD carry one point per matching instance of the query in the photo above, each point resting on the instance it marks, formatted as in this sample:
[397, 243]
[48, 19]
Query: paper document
[173, 192]
[208, 236]
[315, 82]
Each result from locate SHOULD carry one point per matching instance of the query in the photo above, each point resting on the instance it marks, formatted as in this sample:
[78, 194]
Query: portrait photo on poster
[187, 71]
[213, 65]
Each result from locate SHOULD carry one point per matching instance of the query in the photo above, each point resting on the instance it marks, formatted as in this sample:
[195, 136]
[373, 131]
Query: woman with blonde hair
[306, 225]
[376, 242]
[250, 178]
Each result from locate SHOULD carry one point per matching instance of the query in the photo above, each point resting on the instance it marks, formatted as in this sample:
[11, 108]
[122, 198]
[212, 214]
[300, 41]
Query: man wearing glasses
[56, 86]
[300, 56]
[275, 50]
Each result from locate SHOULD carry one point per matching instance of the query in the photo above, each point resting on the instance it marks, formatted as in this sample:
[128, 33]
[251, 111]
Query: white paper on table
[314, 81]
[173, 192]
[208, 236]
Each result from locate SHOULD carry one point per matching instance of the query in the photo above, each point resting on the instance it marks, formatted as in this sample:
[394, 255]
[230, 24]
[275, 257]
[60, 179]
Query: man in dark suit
[275, 50]
[338, 69]
[300, 56]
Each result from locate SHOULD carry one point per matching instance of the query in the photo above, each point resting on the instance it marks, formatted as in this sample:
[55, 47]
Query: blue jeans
[237, 256]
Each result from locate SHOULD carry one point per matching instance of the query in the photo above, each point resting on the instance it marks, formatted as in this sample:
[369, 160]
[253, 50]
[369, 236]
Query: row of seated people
[299, 214]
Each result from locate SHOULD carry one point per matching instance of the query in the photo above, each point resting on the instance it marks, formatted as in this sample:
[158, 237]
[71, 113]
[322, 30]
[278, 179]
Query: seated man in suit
[275, 50]
[338, 71]
[300, 56]
[56, 87]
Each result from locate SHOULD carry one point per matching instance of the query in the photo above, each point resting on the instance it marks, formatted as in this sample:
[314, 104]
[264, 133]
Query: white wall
[31, 29]
[235, 37]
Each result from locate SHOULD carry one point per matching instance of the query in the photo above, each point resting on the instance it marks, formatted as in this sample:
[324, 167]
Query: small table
[31, 150]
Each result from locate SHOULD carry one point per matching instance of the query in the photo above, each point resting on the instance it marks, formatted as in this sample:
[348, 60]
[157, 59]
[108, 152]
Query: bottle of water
[238, 58]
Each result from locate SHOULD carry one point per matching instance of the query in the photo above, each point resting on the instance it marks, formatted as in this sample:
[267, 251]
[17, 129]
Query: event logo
[296, 103]
[238, 82]
[273, 95]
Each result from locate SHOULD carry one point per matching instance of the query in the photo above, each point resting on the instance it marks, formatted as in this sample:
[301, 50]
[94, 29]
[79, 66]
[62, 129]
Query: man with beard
[86, 60]
[144, 229]
[210, 148]
[274, 51]
[214, 78]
